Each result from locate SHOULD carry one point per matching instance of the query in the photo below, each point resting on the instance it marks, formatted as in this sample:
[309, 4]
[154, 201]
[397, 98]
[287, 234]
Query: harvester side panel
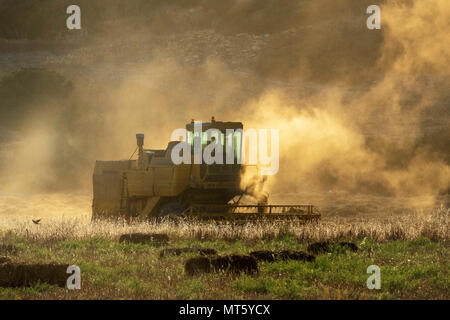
[163, 180]
[108, 187]
[140, 183]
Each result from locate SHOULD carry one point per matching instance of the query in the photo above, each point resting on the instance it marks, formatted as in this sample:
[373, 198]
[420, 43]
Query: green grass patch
[417, 269]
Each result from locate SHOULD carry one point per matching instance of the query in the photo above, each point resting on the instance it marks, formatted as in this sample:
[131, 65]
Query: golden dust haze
[368, 124]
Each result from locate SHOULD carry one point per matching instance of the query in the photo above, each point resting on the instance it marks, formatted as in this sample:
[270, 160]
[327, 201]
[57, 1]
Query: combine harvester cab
[153, 186]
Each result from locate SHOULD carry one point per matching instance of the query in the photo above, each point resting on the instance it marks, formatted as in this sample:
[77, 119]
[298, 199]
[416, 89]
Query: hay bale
[197, 265]
[21, 275]
[143, 238]
[349, 245]
[4, 260]
[271, 256]
[320, 247]
[179, 251]
[230, 264]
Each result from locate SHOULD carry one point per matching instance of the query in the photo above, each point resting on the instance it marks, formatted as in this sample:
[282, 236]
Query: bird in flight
[36, 221]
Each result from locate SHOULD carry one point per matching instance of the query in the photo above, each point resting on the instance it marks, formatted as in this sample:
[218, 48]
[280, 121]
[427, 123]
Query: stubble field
[412, 252]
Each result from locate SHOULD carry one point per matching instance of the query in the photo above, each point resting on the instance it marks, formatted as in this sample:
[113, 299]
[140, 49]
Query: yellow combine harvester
[152, 186]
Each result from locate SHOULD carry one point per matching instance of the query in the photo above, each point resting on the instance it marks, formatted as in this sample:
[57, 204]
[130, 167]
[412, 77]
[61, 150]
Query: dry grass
[433, 225]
